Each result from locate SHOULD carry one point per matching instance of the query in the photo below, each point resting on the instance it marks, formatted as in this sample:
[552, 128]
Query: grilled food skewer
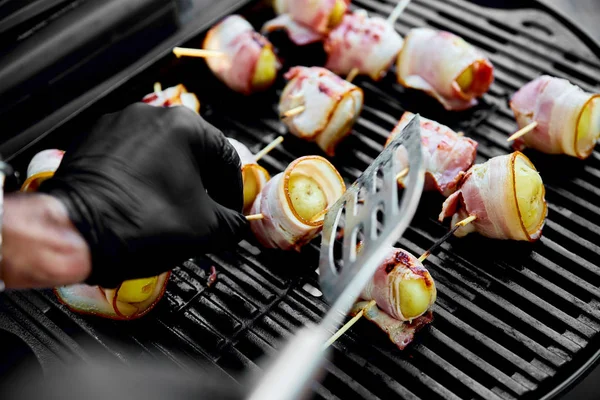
[371, 303]
[268, 148]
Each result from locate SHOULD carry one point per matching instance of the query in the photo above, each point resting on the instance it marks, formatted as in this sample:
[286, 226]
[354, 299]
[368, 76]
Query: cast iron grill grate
[512, 320]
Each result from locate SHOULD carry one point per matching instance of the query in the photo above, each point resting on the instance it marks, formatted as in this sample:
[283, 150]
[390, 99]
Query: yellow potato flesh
[337, 14]
[415, 297]
[588, 128]
[465, 79]
[306, 195]
[266, 69]
[251, 187]
[137, 290]
[530, 191]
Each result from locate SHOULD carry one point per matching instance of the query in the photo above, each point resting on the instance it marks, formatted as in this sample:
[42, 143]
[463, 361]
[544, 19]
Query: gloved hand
[148, 188]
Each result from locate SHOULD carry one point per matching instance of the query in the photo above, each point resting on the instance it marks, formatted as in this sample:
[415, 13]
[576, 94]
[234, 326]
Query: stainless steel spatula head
[353, 219]
[343, 277]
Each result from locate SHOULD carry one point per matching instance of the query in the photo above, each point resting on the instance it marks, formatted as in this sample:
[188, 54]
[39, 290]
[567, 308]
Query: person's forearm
[41, 247]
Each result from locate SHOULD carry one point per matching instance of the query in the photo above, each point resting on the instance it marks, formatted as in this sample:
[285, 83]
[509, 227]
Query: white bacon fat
[255, 177]
[41, 167]
[100, 302]
[306, 21]
[557, 106]
[282, 227]
[369, 44]
[241, 48]
[385, 289]
[492, 192]
[433, 60]
[332, 106]
[173, 96]
[447, 155]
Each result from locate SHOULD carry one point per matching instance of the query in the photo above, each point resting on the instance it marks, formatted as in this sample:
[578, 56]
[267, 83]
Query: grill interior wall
[509, 316]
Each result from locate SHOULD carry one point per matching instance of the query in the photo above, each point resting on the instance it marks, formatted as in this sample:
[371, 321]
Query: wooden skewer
[349, 324]
[437, 244]
[399, 9]
[254, 217]
[293, 111]
[352, 74]
[344, 328]
[268, 148]
[183, 51]
[157, 87]
[523, 131]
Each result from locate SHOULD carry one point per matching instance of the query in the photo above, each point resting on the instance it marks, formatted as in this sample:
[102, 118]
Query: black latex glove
[136, 188]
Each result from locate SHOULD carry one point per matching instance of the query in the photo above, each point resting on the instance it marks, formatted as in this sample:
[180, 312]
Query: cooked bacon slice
[41, 167]
[447, 155]
[401, 333]
[299, 34]
[366, 43]
[242, 49]
[173, 96]
[317, 15]
[445, 66]
[282, 226]
[401, 286]
[568, 118]
[332, 106]
[255, 177]
[506, 194]
[105, 303]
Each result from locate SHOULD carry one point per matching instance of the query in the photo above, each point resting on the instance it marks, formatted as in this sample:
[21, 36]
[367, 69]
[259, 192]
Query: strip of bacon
[241, 47]
[568, 119]
[281, 226]
[369, 44]
[506, 194]
[445, 66]
[173, 96]
[447, 155]
[401, 333]
[299, 34]
[254, 176]
[400, 286]
[332, 106]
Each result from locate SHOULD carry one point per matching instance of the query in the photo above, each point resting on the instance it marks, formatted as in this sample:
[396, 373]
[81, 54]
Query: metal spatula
[343, 278]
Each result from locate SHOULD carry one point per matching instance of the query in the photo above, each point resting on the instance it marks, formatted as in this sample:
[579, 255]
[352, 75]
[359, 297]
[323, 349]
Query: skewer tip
[255, 217]
[523, 131]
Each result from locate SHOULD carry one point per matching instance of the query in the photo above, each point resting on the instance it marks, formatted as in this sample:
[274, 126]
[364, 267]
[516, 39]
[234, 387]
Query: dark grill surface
[512, 320]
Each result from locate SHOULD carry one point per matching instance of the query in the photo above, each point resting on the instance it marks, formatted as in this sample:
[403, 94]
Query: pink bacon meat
[557, 106]
[447, 154]
[173, 96]
[433, 60]
[332, 106]
[241, 46]
[488, 192]
[281, 226]
[369, 44]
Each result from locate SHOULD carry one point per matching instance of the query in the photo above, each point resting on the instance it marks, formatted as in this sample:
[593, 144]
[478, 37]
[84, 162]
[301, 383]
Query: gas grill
[512, 320]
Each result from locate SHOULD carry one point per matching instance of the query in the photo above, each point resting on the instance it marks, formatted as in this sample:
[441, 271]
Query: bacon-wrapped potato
[307, 21]
[293, 203]
[254, 176]
[404, 292]
[368, 44]
[247, 63]
[568, 118]
[445, 66]
[173, 96]
[131, 299]
[41, 167]
[332, 106]
[505, 194]
[447, 155]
